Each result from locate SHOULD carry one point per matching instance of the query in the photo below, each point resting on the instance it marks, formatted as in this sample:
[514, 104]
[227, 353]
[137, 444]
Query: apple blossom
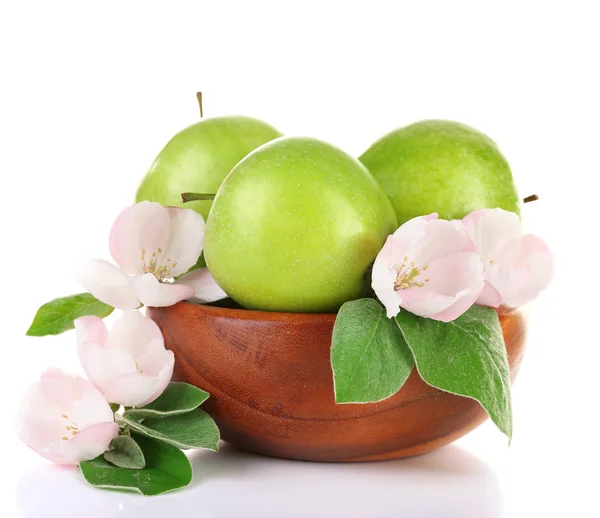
[428, 267]
[129, 364]
[152, 246]
[516, 266]
[65, 419]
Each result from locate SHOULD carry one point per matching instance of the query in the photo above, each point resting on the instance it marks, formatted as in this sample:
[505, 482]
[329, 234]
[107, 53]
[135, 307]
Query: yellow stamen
[407, 277]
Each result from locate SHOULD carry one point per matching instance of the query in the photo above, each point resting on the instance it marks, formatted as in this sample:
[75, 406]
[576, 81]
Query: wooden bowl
[271, 386]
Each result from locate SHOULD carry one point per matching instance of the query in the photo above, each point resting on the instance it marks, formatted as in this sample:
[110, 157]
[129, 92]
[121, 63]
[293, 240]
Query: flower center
[406, 276]
[71, 427]
[151, 265]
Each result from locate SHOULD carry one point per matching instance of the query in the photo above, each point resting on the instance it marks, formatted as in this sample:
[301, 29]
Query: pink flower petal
[463, 301]
[489, 296]
[204, 285]
[132, 368]
[454, 273]
[435, 267]
[133, 389]
[38, 433]
[541, 263]
[508, 281]
[57, 390]
[103, 366]
[65, 419]
[140, 229]
[186, 237]
[132, 333]
[152, 293]
[87, 444]
[52, 373]
[407, 235]
[163, 377]
[90, 407]
[154, 358]
[423, 302]
[440, 239]
[108, 284]
[90, 329]
[383, 277]
[490, 229]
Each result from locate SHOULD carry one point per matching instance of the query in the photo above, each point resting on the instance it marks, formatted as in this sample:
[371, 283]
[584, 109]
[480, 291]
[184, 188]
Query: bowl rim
[255, 315]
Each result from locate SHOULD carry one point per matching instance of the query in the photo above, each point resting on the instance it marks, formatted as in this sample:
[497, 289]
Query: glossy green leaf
[369, 356]
[466, 357]
[194, 429]
[167, 468]
[125, 453]
[178, 398]
[57, 316]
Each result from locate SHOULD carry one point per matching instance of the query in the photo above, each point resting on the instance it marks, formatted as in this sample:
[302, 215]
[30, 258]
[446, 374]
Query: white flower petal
[133, 332]
[407, 235]
[89, 407]
[489, 296]
[383, 277]
[423, 302]
[107, 283]
[133, 389]
[103, 366]
[163, 377]
[441, 238]
[186, 237]
[454, 273]
[155, 294]
[204, 285]
[490, 229]
[85, 445]
[541, 262]
[462, 302]
[61, 408]
[154, 358]
[140, 229]
[90, 329]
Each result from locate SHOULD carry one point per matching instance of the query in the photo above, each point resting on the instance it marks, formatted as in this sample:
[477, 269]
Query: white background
[91, 91]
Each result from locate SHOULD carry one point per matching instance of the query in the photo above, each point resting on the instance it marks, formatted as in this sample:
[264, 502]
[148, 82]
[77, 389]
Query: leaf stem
[199, 97]
[192, 196]
[530, 198]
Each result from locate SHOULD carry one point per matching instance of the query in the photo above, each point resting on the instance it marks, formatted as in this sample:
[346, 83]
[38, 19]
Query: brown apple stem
[533, 197]
[193, 196]
[199, 97]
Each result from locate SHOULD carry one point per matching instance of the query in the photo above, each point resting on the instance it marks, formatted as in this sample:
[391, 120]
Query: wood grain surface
[271, 386]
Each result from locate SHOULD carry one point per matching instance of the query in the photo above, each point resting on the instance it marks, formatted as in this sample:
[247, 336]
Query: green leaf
[466, 357]
[194, 429]
[57, 316]
[167, 468]
[178, 398]
[200, 263]
[125, 453]
[369, 356]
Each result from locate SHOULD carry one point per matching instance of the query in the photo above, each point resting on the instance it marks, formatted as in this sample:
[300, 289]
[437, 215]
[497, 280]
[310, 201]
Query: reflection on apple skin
[448, 483]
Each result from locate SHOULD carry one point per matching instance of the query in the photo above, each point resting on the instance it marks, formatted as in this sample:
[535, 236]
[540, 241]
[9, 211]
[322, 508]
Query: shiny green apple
[441, 166]
[295, 226]
[198, 158]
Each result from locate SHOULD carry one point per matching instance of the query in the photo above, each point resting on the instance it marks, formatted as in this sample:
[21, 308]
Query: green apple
[441, 166]
[199, 157]
[295, 226]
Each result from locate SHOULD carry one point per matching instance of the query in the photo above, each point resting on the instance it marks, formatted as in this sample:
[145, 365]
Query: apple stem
[192, 196]
[199, 97]
[532, 197]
